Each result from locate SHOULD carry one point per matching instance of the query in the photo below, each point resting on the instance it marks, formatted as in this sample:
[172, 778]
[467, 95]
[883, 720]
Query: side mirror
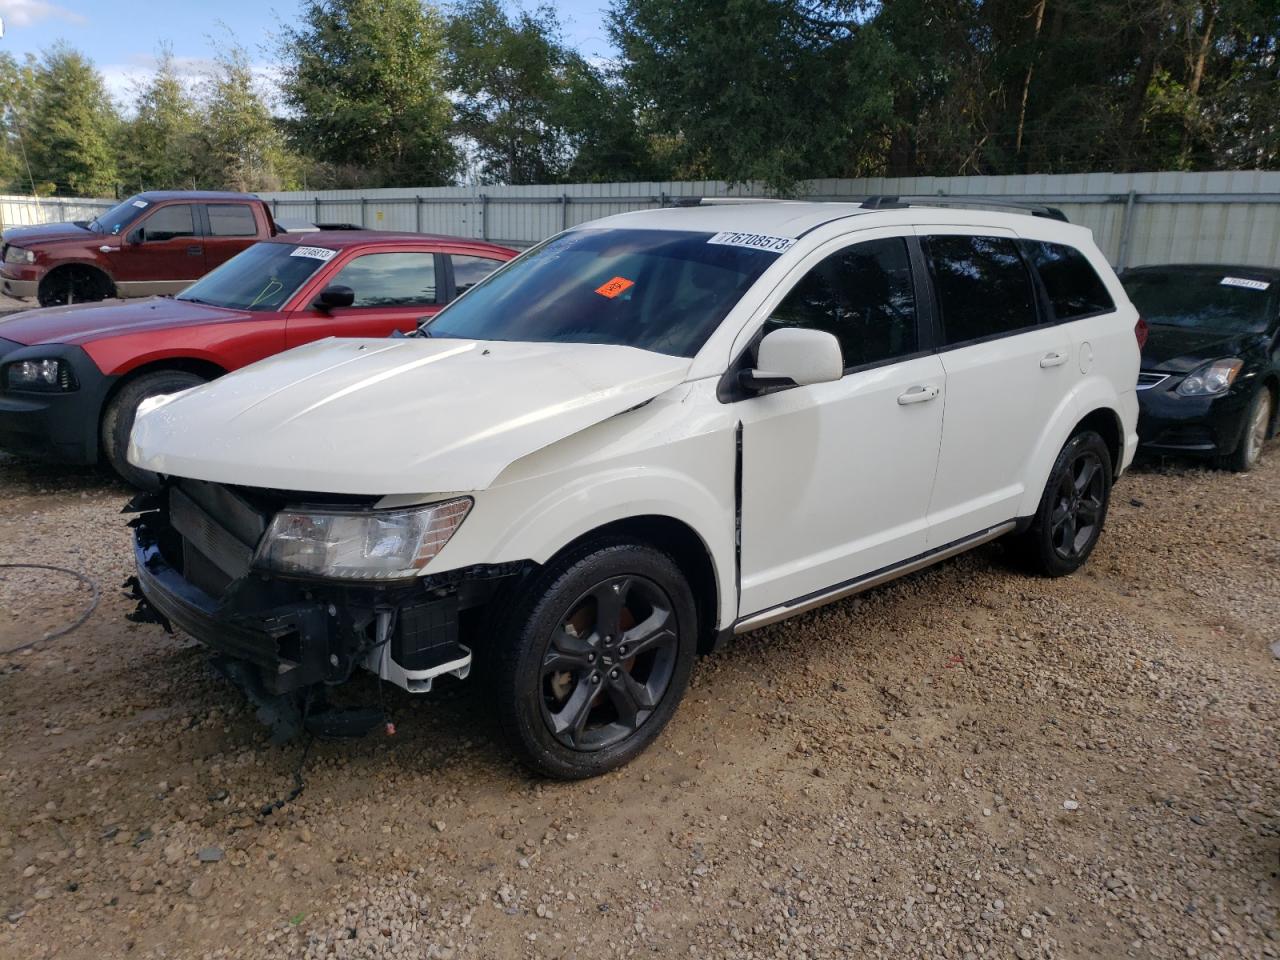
[334, 296]
[795, 357]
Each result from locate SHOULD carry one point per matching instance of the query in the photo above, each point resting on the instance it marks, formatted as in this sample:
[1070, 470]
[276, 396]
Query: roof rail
[892, 203]
[719, 201]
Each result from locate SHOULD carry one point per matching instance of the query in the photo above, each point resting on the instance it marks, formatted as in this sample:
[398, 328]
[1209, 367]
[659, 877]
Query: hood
[83, 322]
[46, 233]
[402, 416]
[1181, 349]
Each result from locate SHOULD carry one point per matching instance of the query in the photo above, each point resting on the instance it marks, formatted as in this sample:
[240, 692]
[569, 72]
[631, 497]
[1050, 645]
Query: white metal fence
[1230, 217]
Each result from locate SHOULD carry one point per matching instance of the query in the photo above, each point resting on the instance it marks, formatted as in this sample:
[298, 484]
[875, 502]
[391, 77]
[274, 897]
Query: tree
[239, 145]
[365, 81]
[757, 89]
[70, 126]
[17, 94]
[158, 145]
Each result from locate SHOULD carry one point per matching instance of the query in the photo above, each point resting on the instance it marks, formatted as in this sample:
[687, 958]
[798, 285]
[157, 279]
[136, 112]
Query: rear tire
[595, 658]
[1257, 427]
[117, 420]
[1073, 509]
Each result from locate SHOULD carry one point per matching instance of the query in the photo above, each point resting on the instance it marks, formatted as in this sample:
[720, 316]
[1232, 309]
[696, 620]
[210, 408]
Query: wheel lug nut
[613, 674]
[591, 658]
[622, 649]
[595, 678]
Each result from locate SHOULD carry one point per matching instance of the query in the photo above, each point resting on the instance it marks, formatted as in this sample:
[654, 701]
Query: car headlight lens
[1211, 379]
[19, 255]
[45, 375]
[375, 545]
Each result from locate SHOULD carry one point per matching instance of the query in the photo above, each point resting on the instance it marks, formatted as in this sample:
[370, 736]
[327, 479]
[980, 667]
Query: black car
[1210, 375]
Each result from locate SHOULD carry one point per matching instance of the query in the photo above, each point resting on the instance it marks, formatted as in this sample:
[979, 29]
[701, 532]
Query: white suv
[639, 438]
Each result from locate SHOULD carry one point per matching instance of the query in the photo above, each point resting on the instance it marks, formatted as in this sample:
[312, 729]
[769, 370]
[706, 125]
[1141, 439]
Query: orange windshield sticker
[614, 287]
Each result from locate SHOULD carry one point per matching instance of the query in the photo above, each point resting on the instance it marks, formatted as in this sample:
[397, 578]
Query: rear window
[659, 290]
[1074, 287]
[1229, 302]
[982, 285]
[231, 220]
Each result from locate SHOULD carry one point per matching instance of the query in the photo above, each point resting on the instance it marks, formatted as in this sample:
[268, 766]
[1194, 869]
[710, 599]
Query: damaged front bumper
[191, 555]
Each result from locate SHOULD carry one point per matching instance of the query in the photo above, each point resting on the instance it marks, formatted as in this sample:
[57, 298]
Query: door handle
[194, 250]
[1054, 359]
[919, 394]
[105, 249]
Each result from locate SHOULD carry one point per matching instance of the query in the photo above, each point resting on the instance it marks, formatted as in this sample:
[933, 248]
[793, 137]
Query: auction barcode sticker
[754, 241]
[315, 253]
[1244, 282]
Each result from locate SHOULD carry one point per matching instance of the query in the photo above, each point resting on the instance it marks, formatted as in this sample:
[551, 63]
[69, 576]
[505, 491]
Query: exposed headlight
[45, 375]
[375, 545]
[19, 255]
[1210, 379]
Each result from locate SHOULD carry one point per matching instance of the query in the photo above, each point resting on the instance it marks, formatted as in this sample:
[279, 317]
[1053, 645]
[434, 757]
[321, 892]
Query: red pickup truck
[72, 377]
[154, 243]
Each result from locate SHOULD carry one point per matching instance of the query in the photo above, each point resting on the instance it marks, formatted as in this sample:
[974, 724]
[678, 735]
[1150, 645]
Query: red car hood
[46, 233]
[85, 322]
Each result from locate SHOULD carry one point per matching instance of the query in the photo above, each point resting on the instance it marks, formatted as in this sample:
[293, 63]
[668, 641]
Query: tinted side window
[391, 279]
[982, 285]
[1074, 287]
[169, 222]
[231, 220]
[864, 296]
[468, 271]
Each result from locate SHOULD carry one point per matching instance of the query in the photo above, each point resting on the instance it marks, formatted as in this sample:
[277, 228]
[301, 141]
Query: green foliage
[364, 79]
[158, 147]
[69, 126]
[239, 145]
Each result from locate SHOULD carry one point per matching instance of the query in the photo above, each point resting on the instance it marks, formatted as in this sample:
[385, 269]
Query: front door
[393, 291]
[1007, 375]
[836, 477]
[162, 253]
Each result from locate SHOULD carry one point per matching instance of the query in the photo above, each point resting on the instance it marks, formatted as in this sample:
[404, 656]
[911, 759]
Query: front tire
[73, 284]
[1257, 426]
[595, 658]
[1072, 509]
[117, 420]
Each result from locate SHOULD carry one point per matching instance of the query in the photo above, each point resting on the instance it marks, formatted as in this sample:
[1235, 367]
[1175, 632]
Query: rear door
[1007, 369]
[229, 228]
[394, 290]
[163, 252]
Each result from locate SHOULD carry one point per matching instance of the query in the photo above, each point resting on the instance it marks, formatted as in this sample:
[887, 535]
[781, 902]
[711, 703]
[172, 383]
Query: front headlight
[375, 545]
[19, 255]
[49, 375]
[1211, 379]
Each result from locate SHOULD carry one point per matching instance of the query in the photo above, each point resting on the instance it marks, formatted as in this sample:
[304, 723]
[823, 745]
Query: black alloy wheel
[608, 663]
[591, 657]
[1072, 510]
[1078, 505]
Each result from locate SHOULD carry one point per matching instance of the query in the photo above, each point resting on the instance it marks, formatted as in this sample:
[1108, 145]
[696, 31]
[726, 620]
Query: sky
[123, 37]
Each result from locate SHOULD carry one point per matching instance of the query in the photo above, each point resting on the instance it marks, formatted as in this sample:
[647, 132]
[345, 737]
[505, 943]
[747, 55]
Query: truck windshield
[120, 216]
[262, 277]
[659, 290]
[1204, 299]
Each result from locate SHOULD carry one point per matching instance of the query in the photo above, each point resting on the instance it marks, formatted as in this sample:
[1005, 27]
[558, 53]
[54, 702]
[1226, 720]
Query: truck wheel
[1072, 509]
[67, 285]
[117, 420]
[595, 658]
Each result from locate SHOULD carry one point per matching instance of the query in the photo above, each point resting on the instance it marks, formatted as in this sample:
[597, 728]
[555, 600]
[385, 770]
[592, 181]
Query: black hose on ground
[83, 578]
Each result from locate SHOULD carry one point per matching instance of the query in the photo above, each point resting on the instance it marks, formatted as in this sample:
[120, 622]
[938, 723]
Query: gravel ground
[968, 763]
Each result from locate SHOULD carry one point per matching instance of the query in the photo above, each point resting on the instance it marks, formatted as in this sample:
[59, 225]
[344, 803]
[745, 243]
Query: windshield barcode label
[315, 253]
[755, 241]
[1244, 282]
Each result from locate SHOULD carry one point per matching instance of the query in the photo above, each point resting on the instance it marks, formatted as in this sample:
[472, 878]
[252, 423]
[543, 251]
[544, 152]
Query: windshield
[1221, 302]
[658, 290]
[261, 278]
[119, 216]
